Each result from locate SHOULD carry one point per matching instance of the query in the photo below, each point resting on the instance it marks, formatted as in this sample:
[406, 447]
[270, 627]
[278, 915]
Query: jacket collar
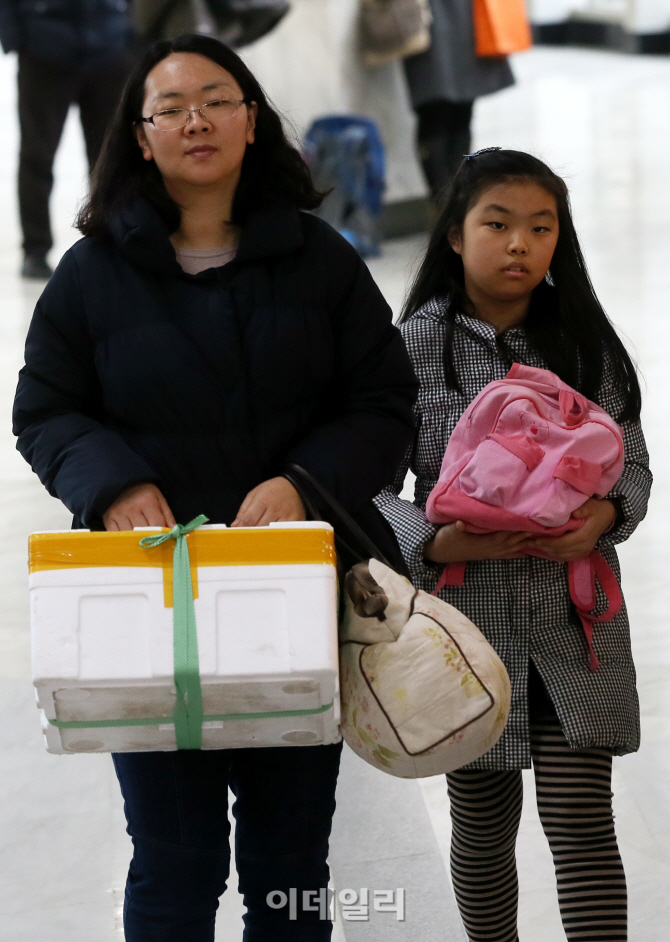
[436, 308]
[272, 231]
[142, 236]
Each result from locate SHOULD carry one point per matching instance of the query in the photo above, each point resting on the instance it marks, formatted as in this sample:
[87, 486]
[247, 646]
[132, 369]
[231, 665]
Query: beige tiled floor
[603, 120]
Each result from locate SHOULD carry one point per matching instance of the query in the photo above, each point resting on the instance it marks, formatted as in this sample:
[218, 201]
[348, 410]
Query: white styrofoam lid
[288, 524]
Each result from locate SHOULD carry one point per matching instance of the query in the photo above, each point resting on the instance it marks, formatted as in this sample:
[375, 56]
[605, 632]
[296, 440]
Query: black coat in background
[70, 33]
[450, 69]
[208, 384]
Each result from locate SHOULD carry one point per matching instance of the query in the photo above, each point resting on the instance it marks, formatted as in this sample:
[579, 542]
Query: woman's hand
[271, 502]
[452, 544]
[140, 506]
[599, 516]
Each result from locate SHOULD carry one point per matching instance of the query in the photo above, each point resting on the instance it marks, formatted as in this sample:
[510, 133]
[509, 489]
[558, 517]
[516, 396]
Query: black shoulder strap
[349, 537]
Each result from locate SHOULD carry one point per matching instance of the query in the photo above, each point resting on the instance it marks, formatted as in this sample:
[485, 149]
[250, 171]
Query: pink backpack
[527, 452]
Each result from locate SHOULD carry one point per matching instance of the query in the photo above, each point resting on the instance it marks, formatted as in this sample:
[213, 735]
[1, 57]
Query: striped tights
[575, 805]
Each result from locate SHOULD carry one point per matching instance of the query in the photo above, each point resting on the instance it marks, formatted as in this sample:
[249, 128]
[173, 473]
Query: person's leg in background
[176, 805]
[285, 801]
[574, 800]
[100, 87]
[486, 812]
[45, 92]
[443, 137]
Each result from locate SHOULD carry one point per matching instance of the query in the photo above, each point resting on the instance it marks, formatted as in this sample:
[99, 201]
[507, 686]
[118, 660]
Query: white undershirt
[197, 260]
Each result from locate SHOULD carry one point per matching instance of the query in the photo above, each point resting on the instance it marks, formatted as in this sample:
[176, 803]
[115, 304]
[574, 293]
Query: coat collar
[272, 231]
[485, 330]
[435, 310]
[141, 234]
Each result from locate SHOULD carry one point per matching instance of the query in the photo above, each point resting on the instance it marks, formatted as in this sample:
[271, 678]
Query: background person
[444, 82]
[70, 52]
[204, 333]
[482, 300]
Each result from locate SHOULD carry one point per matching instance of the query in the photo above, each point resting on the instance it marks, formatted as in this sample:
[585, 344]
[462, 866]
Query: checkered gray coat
[522, 606]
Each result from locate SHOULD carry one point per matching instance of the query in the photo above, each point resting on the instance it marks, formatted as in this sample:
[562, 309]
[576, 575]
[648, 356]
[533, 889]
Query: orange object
[501, 27]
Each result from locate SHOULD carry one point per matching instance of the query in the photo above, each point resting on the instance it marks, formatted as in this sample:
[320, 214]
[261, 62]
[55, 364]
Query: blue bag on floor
[345, 154]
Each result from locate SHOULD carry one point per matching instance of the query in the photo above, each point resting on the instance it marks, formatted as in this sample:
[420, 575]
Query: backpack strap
[453, 574]
[582, 575]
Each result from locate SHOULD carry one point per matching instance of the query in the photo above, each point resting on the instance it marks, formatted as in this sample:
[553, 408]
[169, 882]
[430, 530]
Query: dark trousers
[45, 94]
[176, 805]
[443, 137]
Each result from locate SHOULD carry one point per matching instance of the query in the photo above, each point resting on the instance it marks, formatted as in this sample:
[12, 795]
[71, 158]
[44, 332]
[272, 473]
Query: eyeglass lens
[174, 118]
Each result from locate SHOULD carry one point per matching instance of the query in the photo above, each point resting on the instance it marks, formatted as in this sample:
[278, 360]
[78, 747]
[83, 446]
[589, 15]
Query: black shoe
[36, 268]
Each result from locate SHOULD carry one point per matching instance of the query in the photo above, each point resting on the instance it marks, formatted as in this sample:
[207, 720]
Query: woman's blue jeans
[176, 805]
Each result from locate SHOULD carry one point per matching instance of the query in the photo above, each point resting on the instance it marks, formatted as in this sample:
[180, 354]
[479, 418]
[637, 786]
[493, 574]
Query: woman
[203, 334]
[444, 82]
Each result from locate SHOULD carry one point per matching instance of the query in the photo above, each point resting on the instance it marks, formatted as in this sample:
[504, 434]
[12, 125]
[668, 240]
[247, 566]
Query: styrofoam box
[102, 637]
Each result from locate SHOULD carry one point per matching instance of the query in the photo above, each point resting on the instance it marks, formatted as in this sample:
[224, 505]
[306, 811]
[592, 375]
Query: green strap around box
[187, 716]
[188, 708]
[159, 720]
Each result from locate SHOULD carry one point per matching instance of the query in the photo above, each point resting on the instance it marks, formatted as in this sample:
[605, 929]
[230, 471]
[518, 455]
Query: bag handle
[347, 531]
[574, 407]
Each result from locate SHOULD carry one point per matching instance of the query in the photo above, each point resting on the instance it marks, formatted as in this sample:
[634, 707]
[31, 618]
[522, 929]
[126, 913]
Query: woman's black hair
[565, 323]
[272, 168]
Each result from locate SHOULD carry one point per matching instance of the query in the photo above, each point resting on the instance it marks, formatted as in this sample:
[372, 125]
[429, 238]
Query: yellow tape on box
[214, 546]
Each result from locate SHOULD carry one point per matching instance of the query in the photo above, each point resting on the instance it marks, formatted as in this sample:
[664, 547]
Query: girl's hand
[140, 506]
[451, 544]
[599, 516]
[272, 501]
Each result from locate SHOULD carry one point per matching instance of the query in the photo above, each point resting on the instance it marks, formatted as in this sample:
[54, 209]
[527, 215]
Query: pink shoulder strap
[582, 575]
[453, 574]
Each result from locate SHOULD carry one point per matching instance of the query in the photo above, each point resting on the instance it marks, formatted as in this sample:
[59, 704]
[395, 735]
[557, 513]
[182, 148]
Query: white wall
[650, 16]
[639, 16]
[310, 67]
[553, 11]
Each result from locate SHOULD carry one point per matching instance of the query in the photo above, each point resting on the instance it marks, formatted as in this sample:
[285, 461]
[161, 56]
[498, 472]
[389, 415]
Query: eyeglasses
[174, 118]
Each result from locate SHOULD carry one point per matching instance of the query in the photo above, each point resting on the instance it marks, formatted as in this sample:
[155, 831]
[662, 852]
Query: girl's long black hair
[566, 323]
[272, 167]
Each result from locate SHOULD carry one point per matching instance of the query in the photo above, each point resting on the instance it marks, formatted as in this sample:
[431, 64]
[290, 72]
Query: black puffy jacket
[66, 32]
[208, 384]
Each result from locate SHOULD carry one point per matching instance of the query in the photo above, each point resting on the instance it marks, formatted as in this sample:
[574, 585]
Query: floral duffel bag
[422, 690]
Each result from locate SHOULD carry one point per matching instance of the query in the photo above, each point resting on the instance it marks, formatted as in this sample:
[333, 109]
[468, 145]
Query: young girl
[504, 280]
